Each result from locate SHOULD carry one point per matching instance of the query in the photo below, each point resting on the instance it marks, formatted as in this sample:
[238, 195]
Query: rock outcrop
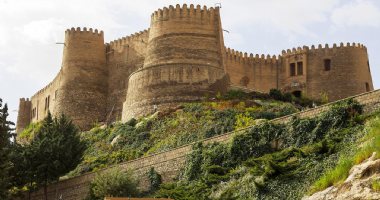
[357, 186]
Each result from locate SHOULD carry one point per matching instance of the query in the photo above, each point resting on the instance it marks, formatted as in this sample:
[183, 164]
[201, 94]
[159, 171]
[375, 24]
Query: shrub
[254, 142]
[114, 183]
[276, 94]
[154, 179]
[235, 94]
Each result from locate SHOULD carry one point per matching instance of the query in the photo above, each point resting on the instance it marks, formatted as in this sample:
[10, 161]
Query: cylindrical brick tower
[338, 72]
[23, 117]
[183, 61]
[83, 89]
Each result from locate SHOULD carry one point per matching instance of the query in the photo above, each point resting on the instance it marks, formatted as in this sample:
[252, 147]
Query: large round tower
[183, 61]
[83, 85]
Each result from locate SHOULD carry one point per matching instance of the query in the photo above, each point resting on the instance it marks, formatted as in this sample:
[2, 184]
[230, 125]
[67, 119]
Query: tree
[55, 150]
[5, 148]
[115, 182]
[155, 179]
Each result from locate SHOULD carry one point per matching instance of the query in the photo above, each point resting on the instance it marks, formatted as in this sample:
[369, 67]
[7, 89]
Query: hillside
[280, 161]
[263, 161]
[185, 124]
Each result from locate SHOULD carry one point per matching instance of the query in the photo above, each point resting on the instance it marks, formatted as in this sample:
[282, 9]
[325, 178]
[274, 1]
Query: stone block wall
[252, 72]
[124, 56]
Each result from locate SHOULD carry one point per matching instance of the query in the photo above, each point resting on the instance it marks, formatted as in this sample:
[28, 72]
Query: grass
[376, 185]
[334, 176]
[368, 144]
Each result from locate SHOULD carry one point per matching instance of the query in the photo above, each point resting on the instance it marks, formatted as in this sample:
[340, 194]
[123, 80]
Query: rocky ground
[358, 185]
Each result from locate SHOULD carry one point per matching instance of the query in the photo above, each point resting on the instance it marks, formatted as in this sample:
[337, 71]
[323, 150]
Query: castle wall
[183, 61]
[348, 75]
[170, 163]
[24, 116]
[297, 81]
[82, 94]
[124, 56]
[254, 73]
[45, 100]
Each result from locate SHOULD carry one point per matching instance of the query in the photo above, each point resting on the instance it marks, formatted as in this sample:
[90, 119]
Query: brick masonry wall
[259, 73]
[183, 61]
[124, 56]
[169, 163]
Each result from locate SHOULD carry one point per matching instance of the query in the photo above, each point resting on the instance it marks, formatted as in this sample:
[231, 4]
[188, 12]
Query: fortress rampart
[182, 57]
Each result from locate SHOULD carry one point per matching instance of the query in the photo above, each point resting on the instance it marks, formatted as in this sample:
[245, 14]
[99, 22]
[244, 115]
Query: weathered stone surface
[356, 186]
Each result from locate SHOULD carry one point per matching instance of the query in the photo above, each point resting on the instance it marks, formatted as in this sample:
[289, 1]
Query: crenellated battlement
[84, 30]
[320, 47]
[121, 42]
[24, 100]
[184, 13]
[243, 57]
[55, 80]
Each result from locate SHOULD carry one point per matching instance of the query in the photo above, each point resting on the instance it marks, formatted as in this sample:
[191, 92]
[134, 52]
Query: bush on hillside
[113, 183]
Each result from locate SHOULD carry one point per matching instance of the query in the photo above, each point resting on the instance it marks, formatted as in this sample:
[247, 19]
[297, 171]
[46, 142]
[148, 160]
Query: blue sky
[29, 29]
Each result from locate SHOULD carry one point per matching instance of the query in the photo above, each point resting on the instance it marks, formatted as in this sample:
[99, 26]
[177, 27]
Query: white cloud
[357, 13]
[43, 31]
[291, 17]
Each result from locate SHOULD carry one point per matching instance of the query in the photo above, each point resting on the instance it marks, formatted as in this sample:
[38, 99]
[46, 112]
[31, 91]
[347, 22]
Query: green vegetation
[113, 183]
[376, 185]
[190, 122]
[274, 161]
[155, 180]
[27, 135]
[5, 150]
[264, 161]
[54, 150]
[370, 143]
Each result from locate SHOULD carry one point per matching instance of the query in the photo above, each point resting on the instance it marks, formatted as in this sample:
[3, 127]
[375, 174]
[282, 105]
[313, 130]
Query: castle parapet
[78, 30]
[244, 58]
[122, 42]
[320, 47]
[184, 13]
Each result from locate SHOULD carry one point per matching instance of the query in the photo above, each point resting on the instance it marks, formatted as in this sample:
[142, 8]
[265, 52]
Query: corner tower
[24, 115]
[83, 87]
[335, 72]
[183, 62]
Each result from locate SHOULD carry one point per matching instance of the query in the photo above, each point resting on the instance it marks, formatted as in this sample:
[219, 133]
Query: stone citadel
[181, 58]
